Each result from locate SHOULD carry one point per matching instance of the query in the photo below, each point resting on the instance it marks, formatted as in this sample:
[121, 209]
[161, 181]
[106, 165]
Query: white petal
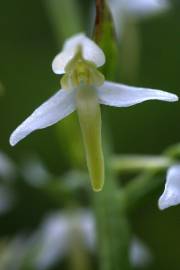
[120, 95]
[117, 9]
[122, 9]
[139, 254]
[53, 240]
[171, 194]
[146, 7]
[91, 52]
[53, 110]
[86, 223]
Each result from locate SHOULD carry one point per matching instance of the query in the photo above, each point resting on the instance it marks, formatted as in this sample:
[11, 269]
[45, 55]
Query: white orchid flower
[59, 232]
[51, 242]
[171, 194]
[120, 9]
[83, 89]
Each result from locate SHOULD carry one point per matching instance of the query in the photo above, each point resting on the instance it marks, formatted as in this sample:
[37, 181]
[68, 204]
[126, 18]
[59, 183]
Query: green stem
[130, 50]
[99, 20]
[173, 151]
[137, 189]
[79, 259]
[104, 36]
[135, 163]
[112, 226]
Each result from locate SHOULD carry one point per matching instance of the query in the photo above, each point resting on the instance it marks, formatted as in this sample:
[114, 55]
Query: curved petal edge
[91, 52]
[171, 194]
[120, 95]
[50, 112]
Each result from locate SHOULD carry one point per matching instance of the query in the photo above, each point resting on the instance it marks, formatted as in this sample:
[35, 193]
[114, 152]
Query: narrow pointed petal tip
[171, 194]
[174, 98]
[91, 52]
[120, 95]
[12, 140]
[50, 112]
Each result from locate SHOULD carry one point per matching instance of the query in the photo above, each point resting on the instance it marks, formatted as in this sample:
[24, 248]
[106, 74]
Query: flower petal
[146, 7]
[53, 240]
[139, 254]
[122, 9]
[118, 10]
[171, 194]
[91, 52]
[53, 110]
[120, 95]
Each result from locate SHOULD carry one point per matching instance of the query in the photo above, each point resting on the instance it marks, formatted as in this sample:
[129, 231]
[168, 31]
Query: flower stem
[99, 19]
[138, 188]
[104, 36]
[135, 163]
[112, 225]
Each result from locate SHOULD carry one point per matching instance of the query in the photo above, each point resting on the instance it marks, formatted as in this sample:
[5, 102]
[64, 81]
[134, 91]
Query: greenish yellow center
[79, 70]
[83, 76]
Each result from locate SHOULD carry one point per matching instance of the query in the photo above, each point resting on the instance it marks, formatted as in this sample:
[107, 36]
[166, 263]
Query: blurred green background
[28, 43]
